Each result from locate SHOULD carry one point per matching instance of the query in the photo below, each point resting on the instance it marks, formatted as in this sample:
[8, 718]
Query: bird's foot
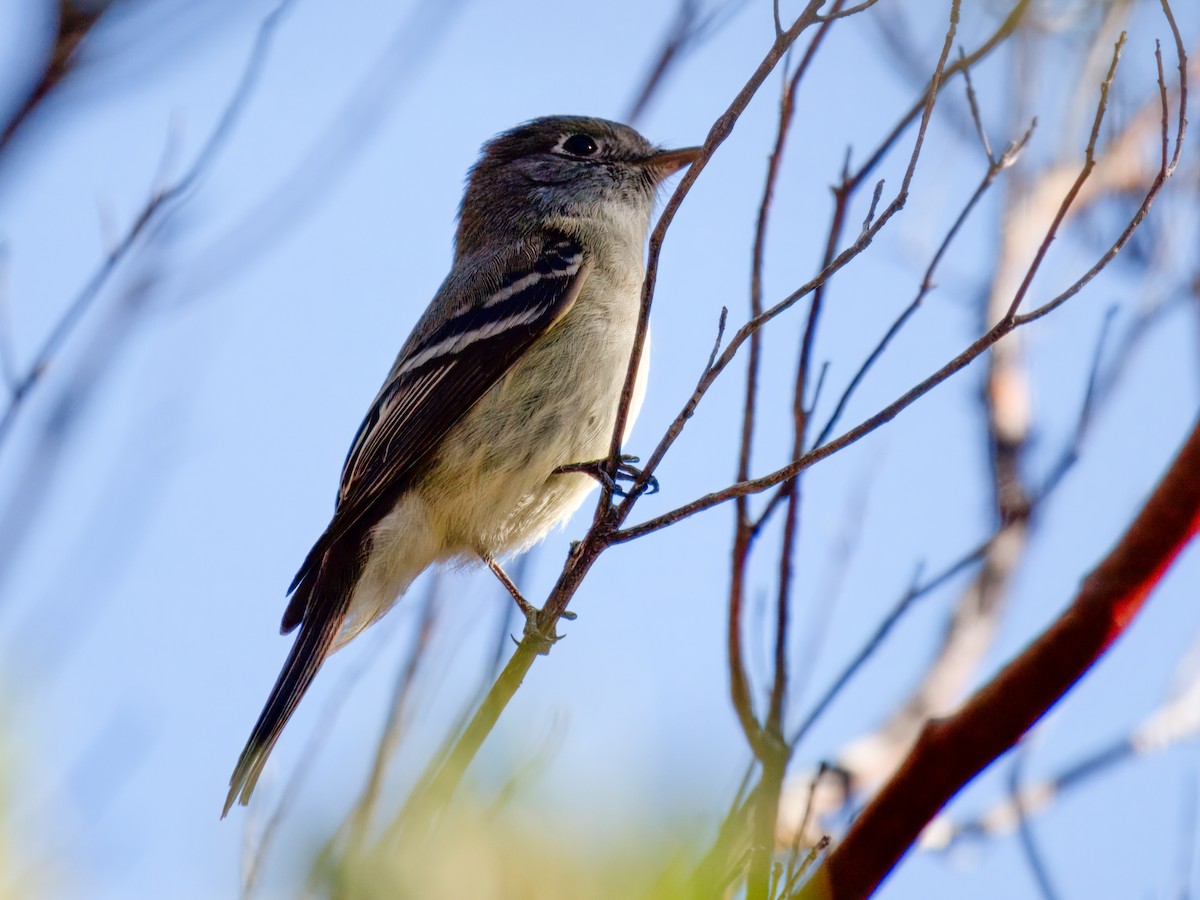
[541, 636]
[598, 469]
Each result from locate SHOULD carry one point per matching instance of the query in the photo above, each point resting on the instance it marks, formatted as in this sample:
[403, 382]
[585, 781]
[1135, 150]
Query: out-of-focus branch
[688, 31]
[300, 189]
[75, 22]
[360, 817]
[951, 751]
[161, 202]
[1034, 856]
[8, 362]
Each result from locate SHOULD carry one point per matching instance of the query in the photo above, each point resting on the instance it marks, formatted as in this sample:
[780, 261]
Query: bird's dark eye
[580, 145]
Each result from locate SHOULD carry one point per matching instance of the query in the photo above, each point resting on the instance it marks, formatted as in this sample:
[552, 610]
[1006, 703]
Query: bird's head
[563, 167]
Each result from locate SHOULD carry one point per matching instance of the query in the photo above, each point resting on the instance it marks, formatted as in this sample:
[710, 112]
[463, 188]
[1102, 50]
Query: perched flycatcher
[514, 370]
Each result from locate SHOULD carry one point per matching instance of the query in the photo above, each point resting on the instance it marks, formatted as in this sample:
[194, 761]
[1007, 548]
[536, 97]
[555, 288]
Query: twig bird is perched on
[514, 372]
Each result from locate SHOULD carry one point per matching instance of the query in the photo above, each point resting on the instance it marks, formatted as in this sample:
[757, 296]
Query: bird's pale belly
[502, 495]
[499, 495]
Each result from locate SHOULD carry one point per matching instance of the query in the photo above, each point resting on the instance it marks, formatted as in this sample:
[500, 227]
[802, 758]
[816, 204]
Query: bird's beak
[668, 162]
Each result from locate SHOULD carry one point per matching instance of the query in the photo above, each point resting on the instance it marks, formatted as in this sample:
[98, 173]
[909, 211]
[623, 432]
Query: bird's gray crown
[611, 141]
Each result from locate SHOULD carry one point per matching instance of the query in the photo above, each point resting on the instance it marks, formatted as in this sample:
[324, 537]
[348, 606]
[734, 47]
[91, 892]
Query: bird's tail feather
[318, 633]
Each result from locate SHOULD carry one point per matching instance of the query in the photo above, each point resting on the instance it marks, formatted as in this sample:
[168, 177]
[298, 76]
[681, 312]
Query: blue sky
[139, 612]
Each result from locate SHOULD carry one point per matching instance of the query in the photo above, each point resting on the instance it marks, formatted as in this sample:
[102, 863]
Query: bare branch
[994, 168]
[769, 745]
[973, 103]
[850, 183]
[1089, 163]
[848, 11]
[1011, 321]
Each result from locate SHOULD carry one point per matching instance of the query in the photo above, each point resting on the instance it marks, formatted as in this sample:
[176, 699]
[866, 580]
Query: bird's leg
[598, 469]
[533, 615]
[527, 608]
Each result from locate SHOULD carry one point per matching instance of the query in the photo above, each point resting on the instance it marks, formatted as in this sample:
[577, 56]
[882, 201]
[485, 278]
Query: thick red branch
[951, 751]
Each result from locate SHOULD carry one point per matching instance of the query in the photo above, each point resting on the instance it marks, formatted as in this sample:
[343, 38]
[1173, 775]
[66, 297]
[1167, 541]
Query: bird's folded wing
[437, 379]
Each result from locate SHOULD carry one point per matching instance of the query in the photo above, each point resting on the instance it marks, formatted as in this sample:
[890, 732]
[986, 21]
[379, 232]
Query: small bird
[512, 375]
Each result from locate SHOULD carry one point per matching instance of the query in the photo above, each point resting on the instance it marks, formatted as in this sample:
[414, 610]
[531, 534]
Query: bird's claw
[625, 471]
[539, 638]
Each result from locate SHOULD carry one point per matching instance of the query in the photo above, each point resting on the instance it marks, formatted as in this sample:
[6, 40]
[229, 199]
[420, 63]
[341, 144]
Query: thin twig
[802, 829]
[973, 104]
[755, 323]
[995, 167]
[811, 857]
[720, 336]
[1089, 163]
[688, 31]
[848, 11]
[389, 741]
[1008, 323]
[1033, 855]
[915, 592]
[720, 130]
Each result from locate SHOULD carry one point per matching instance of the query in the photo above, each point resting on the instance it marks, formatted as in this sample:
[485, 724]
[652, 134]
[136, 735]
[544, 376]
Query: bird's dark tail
[325, 608]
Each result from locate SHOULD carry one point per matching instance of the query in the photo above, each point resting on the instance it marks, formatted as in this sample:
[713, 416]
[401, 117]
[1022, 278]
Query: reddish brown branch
[951, 751]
